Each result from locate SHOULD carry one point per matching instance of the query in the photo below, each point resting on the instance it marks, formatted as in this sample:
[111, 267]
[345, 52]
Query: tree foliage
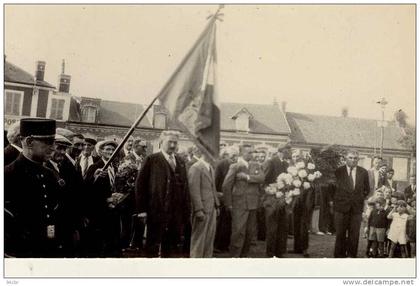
[327, 160]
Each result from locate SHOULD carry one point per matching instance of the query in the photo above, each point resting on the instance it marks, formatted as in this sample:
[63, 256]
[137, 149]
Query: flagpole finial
[217, 15]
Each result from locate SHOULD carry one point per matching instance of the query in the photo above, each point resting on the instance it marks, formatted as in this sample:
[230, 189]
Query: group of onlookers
[60, 201]
[390, 214]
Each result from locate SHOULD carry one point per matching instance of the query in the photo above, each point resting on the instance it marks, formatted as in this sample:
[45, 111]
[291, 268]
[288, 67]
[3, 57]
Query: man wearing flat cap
[70, 214]
[31, 195]
[86, 158]
[163, 200]
[103, 220]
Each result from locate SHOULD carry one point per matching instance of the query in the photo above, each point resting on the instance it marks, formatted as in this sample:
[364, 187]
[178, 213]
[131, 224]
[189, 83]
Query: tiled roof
[347, 131]
[266, 118]
[15, 74]
[121, 113]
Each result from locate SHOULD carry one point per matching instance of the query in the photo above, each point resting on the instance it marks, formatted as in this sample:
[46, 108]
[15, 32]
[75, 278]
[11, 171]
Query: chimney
[40, 70]
[64, 80]
[275, 103]
[283, 106]
[344, 112]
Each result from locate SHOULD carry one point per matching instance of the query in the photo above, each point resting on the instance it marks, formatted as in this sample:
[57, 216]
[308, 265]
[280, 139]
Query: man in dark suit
[241, 192]
[163, 200]
[104, 221]
[352, 187]
[12, 151]
[86, 158]
[224, 222]
[275, 214]
[388, 180]
[70, 213]
[410, 191]
[32, 195]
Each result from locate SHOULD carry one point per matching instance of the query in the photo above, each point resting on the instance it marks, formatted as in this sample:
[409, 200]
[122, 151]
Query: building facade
[262, 125]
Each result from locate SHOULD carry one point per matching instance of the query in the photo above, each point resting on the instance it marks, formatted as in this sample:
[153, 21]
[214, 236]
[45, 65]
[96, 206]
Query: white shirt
[353, 174]
[168, 157]
[90, 162]
[136, 156]
[55, 165]
[71, 159]
[376, 175]
[16, 147]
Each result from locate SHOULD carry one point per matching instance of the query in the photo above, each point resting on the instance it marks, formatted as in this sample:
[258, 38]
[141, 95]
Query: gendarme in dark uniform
[31, 195]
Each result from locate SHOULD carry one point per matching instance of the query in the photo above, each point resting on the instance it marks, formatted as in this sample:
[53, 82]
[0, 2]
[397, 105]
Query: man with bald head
[163, 200]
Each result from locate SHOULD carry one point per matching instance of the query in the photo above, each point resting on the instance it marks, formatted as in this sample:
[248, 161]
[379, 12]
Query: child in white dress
[398, 229]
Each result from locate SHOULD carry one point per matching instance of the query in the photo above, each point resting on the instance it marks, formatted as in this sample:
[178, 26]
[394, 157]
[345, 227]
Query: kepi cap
[37, 127]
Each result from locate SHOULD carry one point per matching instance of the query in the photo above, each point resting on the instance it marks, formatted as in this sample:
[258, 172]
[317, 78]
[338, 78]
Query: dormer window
[160, 121]
[242, 120]
[89, 114]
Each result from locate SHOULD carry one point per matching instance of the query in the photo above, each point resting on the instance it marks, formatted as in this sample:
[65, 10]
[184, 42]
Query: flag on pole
[190, 94]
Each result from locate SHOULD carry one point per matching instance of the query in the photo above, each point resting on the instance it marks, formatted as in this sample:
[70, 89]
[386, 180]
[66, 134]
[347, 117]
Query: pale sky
[316, 58]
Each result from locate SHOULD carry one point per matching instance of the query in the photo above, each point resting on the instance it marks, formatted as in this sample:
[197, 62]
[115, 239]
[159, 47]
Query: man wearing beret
[31, 195]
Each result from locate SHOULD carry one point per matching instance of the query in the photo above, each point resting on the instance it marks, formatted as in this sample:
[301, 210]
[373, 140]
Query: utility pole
[383, 103]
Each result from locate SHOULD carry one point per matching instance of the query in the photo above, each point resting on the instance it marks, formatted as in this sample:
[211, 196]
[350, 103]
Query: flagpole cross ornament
[190, 95]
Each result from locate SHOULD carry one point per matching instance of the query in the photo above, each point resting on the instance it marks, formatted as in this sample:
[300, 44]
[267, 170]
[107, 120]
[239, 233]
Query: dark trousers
[261, 227]
[347, 226]
[301, 215]
[277, 230]
[223, 230]
[326, 217]
[169, 243]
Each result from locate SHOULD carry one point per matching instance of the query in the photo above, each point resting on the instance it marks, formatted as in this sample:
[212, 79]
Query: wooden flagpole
[140, 118]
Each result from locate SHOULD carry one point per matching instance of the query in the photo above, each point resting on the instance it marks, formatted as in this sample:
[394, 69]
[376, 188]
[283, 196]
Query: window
[57, 108]
[160, 121]
[400, 166]
[242, 122]
[89, 114]
[14, 102]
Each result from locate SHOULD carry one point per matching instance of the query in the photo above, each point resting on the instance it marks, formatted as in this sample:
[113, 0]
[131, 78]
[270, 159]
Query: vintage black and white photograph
[270, 131]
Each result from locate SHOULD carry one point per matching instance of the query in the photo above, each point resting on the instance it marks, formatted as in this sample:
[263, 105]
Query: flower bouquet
[290, 185]
[125, 180]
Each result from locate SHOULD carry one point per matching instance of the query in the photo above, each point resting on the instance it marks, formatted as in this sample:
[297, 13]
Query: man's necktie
[172, 162]
[351, 178]
[111, 174]
[84, 164]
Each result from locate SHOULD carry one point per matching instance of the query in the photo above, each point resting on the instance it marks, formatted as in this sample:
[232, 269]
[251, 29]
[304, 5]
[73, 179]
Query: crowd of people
[60, 201]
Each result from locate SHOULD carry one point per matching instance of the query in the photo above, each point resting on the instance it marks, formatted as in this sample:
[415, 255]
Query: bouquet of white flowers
[291, 184]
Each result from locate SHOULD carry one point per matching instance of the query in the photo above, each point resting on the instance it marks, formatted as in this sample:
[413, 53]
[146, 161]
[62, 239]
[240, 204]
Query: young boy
[366, 217]
[377, 224]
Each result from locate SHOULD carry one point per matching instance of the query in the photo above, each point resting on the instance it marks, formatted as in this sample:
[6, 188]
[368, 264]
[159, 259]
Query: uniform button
[45, 196]
[43, 186]
[48, 216]
[42, 176]
[46, 206]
